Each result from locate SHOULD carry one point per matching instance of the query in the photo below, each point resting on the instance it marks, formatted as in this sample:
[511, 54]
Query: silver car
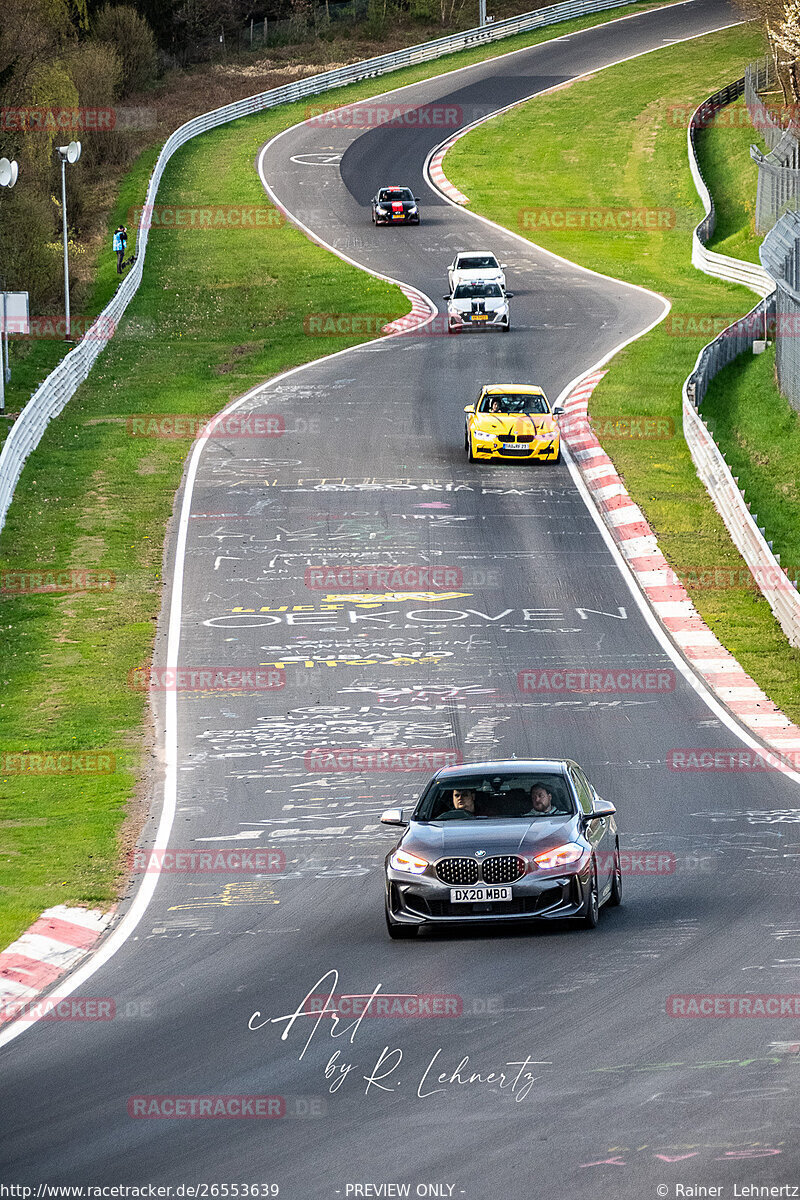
[478, 305]
[517, 840]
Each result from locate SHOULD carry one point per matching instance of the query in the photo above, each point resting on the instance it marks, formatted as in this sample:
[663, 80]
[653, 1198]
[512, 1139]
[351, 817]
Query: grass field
[217, 313]
[611, 142]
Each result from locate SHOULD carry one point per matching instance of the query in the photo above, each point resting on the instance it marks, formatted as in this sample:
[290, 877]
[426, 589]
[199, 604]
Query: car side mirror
[602, 808]
[393, 816]
[469, 408]
[558, 411]
[503, 266]
[447, 297]
[509, 295]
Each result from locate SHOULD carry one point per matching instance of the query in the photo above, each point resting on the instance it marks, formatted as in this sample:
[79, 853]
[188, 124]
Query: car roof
[529, 388]
[464, 253]
[509, 766]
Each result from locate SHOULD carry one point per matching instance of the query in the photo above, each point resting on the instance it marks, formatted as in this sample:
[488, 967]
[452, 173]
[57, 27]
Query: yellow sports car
[512, 420]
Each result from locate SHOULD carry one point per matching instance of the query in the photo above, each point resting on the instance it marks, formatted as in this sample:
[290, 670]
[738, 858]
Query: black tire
[399, 932]
[470, 455]
[592, 914]
[615, 899]
[558, 457]
[466, 437]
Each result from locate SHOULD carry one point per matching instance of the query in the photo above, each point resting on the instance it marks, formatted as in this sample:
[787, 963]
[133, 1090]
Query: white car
[469, 265]
[478, 305]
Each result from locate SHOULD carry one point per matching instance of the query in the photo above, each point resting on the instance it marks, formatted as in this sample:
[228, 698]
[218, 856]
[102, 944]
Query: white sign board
[14, 314]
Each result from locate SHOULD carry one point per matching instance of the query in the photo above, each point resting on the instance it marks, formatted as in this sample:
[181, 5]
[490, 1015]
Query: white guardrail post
[61, 384]
[728, 498]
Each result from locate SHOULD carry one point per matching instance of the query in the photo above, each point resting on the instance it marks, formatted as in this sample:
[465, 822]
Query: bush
[96, 70]
[132, 39]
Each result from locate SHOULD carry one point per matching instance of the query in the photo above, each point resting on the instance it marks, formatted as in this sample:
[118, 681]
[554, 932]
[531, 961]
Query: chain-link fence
[780, 254]
[778, 170]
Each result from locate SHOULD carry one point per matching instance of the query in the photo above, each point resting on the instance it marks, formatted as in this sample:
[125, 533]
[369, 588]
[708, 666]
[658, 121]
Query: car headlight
[413, 209]
[380, 210]
[401, 860]
[480, 436]
[562, 856]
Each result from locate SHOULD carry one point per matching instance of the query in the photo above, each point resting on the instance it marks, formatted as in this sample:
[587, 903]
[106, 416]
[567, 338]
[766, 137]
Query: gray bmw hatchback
[524, 839]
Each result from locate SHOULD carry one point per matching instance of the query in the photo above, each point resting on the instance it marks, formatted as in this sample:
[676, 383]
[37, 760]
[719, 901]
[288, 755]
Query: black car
[395, 206]
[525, 839]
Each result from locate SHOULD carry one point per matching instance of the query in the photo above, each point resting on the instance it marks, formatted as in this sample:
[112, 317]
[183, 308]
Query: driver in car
[541, 800]
[496, 405]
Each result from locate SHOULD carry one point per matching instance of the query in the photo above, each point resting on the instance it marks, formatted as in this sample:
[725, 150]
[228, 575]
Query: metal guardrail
[60, 385]
[728, 498]
[721, 266]
[779, 170]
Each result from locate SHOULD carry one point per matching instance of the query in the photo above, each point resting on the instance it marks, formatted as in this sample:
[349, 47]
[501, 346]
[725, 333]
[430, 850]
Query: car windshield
[477, 291]
[497, 796]
[476, 262]
[513, 403]
[394, 194]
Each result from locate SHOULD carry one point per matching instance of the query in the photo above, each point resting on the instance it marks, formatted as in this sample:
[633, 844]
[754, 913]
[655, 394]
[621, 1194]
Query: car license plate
[513, 446]
[479, 894]
[479, 317]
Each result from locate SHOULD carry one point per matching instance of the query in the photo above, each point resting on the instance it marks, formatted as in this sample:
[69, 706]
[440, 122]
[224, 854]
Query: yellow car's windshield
[513, 403]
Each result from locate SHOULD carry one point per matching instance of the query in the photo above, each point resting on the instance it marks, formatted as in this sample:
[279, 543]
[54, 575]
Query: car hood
[481, 303]
[502, 423]
[518, 836]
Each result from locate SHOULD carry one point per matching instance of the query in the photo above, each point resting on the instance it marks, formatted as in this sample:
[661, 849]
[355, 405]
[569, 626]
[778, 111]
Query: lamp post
[8, 177]
[67, 154]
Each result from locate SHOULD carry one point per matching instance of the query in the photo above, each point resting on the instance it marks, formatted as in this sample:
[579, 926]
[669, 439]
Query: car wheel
[616, 884]
[470, 455]
[592, 914]
[558, 456]
[466, 437]
[398, 932]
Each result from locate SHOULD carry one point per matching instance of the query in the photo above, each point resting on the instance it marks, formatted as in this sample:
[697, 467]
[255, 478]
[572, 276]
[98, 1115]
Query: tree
[132, 38]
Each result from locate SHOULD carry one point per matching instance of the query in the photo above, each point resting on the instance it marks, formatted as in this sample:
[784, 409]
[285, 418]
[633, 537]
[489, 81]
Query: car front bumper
[414, 901]
[545, 450]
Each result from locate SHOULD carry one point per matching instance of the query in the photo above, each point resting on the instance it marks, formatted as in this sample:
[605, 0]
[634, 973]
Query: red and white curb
[666, 594]
[420, 312]
[436, 172]
[57, 942]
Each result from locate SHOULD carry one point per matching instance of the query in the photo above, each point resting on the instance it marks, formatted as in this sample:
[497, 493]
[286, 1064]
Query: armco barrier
[780, 254]
[779, 169]
[721, 266]
[60, 385]
[779, 591]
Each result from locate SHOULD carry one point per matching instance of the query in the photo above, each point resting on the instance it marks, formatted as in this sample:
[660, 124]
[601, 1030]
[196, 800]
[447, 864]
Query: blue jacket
[119, 240]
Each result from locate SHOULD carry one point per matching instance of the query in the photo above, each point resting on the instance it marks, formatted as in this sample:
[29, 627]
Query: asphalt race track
[609, 1096]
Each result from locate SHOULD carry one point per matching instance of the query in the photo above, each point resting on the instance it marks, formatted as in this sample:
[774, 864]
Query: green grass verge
[759, 432]
[723, 150]
[217, 313]
[610, 142]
